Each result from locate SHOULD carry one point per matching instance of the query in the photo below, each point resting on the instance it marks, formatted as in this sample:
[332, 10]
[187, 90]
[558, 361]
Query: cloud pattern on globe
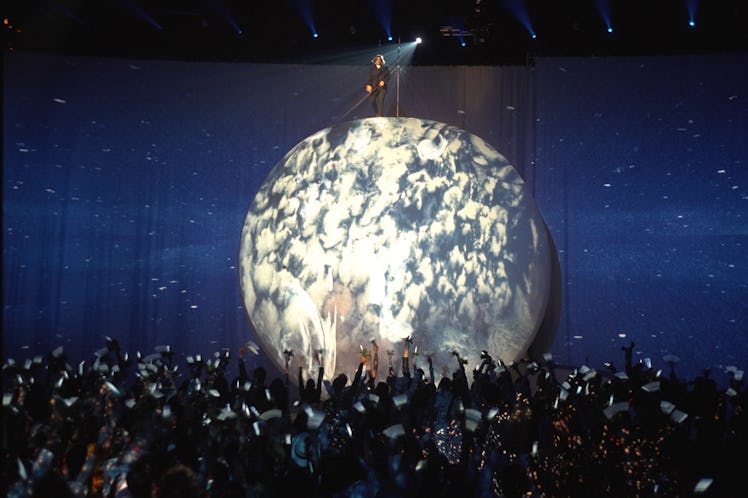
[389, 228]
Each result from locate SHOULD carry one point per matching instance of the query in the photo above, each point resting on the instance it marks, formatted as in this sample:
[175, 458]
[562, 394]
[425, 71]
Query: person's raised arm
[391, 372]
[415, 359]
[359, 372]
[320, 375]
[243, 375]
[486, 362]
[431, 368]
[375, 359]
[301, 382]
[288, 354]
[628, 353]
[406, 354]
[463, 382]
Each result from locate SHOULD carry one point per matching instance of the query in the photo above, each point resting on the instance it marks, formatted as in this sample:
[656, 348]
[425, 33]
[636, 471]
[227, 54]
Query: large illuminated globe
[393, 228]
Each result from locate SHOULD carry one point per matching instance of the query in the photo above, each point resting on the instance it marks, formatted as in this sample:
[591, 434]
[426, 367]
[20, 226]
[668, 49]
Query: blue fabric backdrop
[126, 183]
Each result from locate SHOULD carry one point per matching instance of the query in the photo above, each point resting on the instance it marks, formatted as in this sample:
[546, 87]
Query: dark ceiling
[275, 30]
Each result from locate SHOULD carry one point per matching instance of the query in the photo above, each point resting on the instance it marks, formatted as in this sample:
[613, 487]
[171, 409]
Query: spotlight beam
[404, 52]
[133, 7]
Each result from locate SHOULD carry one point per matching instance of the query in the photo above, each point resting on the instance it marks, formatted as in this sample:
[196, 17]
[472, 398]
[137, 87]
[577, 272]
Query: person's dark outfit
[377, 75]
[310, 392]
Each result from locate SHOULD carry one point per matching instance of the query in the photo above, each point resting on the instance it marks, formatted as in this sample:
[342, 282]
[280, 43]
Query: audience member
[117, 428]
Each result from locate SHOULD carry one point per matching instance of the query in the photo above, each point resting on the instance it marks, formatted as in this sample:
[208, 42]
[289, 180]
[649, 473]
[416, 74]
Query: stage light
[604, 8]
[134, 8]
[419, 40]
[223, 11]
[304, 11]
[520, 11]
[382, 10]
[462, 43]
[692, 6]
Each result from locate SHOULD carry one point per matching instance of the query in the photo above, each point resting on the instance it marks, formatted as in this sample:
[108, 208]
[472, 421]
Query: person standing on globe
[376, 83]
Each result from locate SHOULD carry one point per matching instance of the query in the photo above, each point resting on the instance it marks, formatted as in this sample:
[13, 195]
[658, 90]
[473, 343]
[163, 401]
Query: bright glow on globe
[389, 228]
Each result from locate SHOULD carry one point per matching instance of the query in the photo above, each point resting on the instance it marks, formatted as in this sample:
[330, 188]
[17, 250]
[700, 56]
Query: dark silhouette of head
[339, 383]
[179, 481]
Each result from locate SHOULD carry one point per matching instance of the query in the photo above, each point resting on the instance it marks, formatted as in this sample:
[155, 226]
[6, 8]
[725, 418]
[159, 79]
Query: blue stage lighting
[462, 43]
[382, 10]
[134, 8]
[222, 10]
[419, 40]
[304, 11]
[692, 6]
[604, 8]
[520, 11]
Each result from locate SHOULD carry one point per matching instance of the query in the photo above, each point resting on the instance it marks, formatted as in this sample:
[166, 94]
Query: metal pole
[397, 99]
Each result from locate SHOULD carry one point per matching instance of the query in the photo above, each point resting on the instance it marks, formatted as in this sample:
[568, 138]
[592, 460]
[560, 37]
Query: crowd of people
[165, 425]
